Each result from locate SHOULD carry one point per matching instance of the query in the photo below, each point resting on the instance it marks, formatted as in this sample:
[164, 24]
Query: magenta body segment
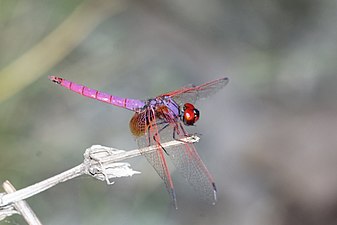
[131, 104]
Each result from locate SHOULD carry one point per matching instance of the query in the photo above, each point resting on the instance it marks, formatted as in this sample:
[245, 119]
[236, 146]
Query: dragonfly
[161, 119]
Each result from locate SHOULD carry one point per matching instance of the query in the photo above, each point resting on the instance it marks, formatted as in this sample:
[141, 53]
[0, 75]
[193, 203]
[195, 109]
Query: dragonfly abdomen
[131, 104]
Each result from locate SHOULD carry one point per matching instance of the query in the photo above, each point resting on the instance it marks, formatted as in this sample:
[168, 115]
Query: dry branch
[100, 162]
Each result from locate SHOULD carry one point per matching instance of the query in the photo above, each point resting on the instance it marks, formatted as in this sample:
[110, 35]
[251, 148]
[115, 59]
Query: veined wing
[188, 162]
[156, 158]
[192, 93]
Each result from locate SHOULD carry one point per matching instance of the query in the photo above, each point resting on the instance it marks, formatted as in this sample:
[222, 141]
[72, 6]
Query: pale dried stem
[100, 162]
[22, 206]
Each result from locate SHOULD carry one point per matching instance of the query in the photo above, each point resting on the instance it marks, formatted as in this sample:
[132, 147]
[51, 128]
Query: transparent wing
[156, 158]
[188, 162]
[192, 93]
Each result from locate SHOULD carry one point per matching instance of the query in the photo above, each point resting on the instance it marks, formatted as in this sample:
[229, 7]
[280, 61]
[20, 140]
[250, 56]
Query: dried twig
[22, 206]
[100, 162]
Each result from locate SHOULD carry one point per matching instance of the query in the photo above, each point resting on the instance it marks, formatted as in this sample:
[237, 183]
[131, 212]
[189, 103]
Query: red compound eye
[190, 114]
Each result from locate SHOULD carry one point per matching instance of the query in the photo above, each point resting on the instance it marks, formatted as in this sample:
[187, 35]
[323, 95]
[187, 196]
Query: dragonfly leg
[161, 129]
[183, 130]
[174, 132]
[148, 119]
[155, 135]
[154, 138]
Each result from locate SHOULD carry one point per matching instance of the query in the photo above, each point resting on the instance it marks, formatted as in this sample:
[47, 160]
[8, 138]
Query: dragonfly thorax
[165, 106]
[162, 109]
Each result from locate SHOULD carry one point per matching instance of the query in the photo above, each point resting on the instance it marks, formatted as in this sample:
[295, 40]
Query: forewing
[188, 162]
[192, 93]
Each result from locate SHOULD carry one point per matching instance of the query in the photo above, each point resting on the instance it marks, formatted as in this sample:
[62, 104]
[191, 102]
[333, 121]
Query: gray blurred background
[269, 138]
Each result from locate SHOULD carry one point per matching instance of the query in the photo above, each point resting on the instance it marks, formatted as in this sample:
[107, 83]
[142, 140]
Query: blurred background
[269, 137]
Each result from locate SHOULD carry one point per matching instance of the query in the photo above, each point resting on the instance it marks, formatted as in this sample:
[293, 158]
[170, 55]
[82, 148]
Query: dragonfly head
[190, 114]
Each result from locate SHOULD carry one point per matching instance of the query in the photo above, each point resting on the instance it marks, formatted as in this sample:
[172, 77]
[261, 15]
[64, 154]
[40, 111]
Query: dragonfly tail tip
[55, 79]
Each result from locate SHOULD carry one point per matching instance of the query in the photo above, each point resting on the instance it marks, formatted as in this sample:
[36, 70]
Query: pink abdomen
[131, 104]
